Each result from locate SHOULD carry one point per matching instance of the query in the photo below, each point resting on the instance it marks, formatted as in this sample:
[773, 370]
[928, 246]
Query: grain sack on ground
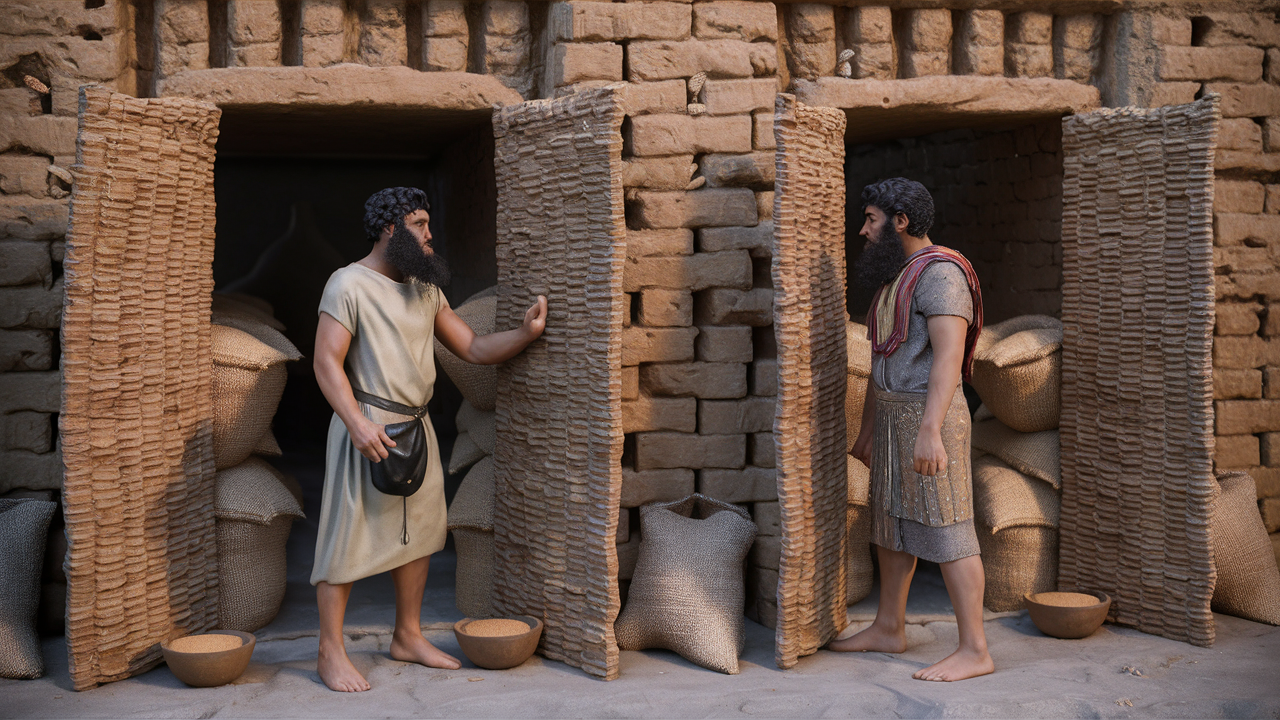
[255, 510]
[1036, 454]
[861, 573]
[24, 525]
[471, 522]
[479, 424]
[1248, 580]
[858, 350]
[478, 383]
[1017, 371]
[248, 380]
[1016, 517]
[245, 306]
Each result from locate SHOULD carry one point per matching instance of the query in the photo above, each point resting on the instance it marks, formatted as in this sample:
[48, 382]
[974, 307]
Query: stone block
[668, 241]
[979, 43]
[730, 268]
[182, 21]
[1269, 449]
[665, 59]
[257, 55]
[24, 263]
[646, 486]
[1270, 508]
[1172, 93]
[1032, 28]
[730, 417]
[1246, 417]
[763, 57]
[576, 62]
[762, 137]
[1272, 327]
[1235, 452]
[1240, 28]
[670, 172]
[748, 484]
[1167, 30]
[766, 552]
[664, 96]
[25, 350]
[1077, 42]
[757, 240]
[1247, 100]
[608, 22]
[668, 450]
[25, 218]
[764, 377]
[1237, 319]
[810, 22]
[927, 30]
[34, 391]
[326, 50]
[681, 134]
[722, 343]
[1268, 480]
[1237, 63]
[1027, 60]
[1271, 383]
[443, 18]
[630, 383]
[869, 25]
[1271, 134]
[251, 21]
[753, 170]
[811, 60]
[628, 556]
[768, 518]
[761, 450]
[734, 307]
[1271, 72]
[734, 97]
[1237, 228]
[1239, 196]
[663, 307]
[36, 306]
[735, 20]
[708, 207]
[1273, 199]
[917, 63]
[39, 134]
[696, 379]
[443, 54]
[31, 471]
[24, 175]
[30, 431]
[647, 344]
[647, 414]
[504, 17]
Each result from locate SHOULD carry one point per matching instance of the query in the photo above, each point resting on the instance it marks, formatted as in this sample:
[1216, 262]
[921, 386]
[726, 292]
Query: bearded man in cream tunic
[377, 320]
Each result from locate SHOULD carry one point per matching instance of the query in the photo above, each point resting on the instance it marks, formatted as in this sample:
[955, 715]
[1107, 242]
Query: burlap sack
[465, 453]
[858, 348]
[860, 573]
[245, 306]
[254, 511]
[24, 525]
[473, 584]
[267, 445]
[1016, 518]
[478, 383]
[261, 330]
[1017, 371]
[479, 424]
[1248, 579]
[472, 506]
[687, 591]
[982, 414]
[248, 380]
[1035, 454]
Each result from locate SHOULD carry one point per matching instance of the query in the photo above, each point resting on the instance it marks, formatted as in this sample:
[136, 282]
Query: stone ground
[1116, 673]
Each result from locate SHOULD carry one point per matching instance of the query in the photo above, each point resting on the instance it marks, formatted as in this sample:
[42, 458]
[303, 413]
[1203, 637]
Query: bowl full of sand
[209, 659]
[1068, 615]
[498, 643]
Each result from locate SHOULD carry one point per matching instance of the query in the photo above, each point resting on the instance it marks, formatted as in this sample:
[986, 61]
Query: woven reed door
[136, 422]
[558, 476]
[809, 428]
[1137, 376]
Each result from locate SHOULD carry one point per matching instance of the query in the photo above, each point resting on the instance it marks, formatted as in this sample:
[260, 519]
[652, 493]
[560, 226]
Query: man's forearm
[497, 347]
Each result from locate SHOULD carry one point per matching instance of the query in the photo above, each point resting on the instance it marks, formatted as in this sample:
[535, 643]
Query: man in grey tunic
[923, 325]
[377, 320]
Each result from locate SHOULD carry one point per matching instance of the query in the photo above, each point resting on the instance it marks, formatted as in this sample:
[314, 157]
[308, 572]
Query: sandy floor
[1115, 673]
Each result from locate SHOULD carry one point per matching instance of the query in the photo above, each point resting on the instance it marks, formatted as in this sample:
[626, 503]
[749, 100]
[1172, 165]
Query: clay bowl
[209, 669]
[1057, 616]
[501, 651]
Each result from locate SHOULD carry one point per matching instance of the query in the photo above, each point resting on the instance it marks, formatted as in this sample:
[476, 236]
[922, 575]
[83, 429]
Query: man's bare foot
[959, 665]
[338, 673]
[872, 639]
[412, 647]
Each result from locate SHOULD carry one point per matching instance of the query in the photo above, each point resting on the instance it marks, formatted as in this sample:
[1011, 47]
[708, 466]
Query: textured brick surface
[659, 450]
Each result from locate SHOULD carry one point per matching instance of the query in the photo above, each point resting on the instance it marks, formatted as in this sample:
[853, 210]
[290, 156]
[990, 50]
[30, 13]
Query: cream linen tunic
[392, 356]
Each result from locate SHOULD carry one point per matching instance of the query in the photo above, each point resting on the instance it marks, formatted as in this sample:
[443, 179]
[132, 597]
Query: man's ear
[388, 231]
[901, 222]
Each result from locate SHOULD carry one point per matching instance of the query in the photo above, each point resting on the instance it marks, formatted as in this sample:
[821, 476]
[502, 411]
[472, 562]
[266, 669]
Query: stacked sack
[1017, 471]
[255, 505]
[1248, 583]
[471, 512]
[860, 571]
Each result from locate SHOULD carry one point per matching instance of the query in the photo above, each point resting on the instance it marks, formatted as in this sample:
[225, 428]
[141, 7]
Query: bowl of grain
[210, 659]
[1068, 615]
[498, 643]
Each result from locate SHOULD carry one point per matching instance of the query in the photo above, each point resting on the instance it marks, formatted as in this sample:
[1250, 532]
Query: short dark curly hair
[389, 206]
[900, 195]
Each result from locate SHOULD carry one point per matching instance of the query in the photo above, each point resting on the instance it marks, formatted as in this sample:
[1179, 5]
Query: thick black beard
[880, 260]
[404, 253]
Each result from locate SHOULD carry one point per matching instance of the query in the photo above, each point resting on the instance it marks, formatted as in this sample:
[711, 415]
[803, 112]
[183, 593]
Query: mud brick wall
[998, 197]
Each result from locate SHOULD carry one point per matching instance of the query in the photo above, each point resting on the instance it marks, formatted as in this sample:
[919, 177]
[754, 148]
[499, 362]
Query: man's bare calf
[407, 642]
[888, 632]
[965, 583]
